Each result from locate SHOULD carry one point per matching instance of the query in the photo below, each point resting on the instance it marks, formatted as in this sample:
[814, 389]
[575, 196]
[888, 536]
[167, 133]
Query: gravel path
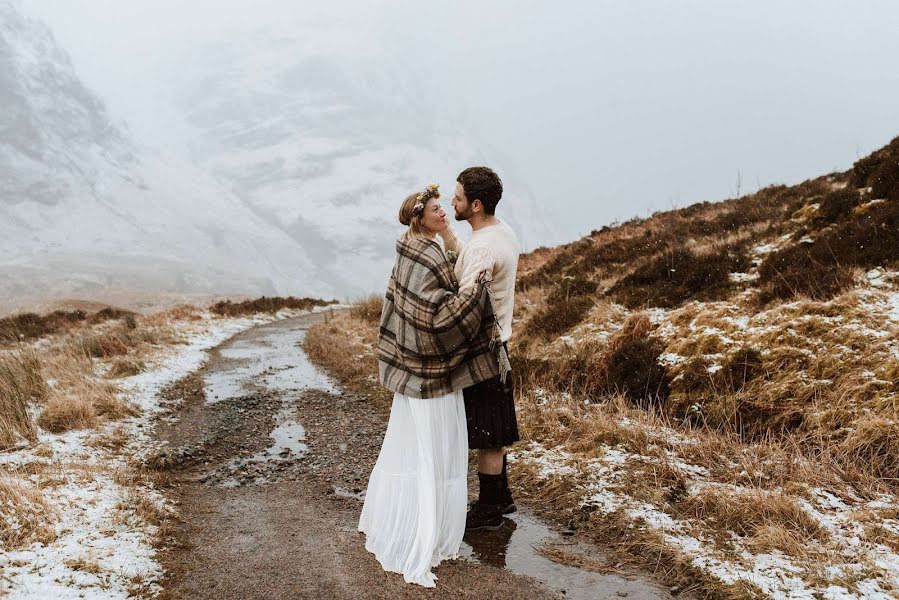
[267, 460]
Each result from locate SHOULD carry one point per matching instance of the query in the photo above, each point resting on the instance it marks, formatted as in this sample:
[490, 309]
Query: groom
[489, 405]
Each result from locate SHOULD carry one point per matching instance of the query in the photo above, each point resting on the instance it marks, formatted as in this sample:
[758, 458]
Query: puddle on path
[287, 439]
[513, 547]
[268, 356]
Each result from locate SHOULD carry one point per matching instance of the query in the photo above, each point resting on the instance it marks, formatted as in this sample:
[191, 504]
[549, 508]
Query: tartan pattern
[433, 340]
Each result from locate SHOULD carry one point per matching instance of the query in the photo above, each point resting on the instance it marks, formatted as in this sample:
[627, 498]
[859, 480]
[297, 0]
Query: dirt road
[268, 460]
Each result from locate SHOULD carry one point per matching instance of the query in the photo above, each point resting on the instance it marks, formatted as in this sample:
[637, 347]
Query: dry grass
[126, 367]
[368, 309]
[345, 346]
[78, 398]
[21, 382]
[86, 566]
[753, 513]
[25, 516]
[266, 305]
[113, 440]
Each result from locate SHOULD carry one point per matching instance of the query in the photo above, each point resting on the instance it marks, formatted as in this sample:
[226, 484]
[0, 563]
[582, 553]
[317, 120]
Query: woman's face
[433, 218]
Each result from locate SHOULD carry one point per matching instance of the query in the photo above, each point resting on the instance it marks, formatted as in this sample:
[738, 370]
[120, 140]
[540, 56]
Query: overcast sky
[607, 110]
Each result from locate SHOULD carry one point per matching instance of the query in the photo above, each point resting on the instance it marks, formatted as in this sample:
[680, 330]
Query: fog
[605, 110]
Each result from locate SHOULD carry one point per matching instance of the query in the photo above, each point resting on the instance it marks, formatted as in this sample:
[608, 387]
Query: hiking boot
[484, 517]
[507, 505]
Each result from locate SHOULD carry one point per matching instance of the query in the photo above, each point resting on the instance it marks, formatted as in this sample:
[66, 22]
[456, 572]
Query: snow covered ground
[103, 546]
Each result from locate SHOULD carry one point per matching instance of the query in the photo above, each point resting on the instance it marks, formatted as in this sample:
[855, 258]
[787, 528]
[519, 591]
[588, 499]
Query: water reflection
[513, 547]
[490, 547]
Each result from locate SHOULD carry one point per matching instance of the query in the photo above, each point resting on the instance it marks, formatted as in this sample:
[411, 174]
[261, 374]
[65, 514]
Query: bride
[433, 342]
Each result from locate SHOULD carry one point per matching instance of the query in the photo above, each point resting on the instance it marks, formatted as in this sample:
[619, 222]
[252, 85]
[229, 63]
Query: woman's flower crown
[431, 191]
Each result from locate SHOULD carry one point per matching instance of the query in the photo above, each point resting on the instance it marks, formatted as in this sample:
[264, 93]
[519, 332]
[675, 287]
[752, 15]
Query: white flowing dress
[414, 511]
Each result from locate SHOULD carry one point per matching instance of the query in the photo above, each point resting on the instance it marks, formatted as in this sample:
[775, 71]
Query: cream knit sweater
[495, 249]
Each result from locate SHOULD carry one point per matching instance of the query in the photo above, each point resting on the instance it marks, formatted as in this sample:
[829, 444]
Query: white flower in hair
[418, 208]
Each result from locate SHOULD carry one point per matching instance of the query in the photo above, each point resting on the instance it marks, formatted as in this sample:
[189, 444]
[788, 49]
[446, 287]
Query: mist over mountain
[86, 207]
[323, 140]
[284, 175]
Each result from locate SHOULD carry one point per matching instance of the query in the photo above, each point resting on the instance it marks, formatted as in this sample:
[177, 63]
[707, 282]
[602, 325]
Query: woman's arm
[450, 240]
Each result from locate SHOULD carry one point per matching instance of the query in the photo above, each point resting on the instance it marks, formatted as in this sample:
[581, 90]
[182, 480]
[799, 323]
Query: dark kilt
[490, 413]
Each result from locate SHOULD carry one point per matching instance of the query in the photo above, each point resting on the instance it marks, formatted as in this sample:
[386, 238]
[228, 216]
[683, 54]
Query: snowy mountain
[297, 153]
[82, 206]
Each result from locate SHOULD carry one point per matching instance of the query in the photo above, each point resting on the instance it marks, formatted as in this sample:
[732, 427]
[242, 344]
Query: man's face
[461, 205]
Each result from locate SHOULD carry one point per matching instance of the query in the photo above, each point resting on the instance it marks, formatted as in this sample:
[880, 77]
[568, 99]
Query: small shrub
[740, 368]
[674, 277]
[110, 314]
[31, 326]
[880, 171]
[266, 305]
[125, 367]
[102, 346]
[108, 404]
[368, 309]
[836, 206]
[630, 364]
[572, 287]
[822, 269]
[558, 318]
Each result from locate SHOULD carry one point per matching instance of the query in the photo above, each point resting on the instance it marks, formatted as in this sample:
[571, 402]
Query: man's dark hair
[481, 183]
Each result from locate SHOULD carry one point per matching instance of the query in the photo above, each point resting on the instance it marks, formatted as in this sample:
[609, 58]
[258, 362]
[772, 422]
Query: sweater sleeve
[477, 258]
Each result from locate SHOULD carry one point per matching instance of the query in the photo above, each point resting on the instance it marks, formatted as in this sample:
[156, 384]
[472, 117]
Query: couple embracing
[442, 350]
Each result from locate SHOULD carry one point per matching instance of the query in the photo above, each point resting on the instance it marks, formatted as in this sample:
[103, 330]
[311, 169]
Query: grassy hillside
[713, 391]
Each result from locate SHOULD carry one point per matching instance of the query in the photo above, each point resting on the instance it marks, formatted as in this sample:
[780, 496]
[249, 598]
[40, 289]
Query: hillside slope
[714, 391]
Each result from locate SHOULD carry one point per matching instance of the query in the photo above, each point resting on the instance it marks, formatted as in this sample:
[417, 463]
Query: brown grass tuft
[125, 367]
[368, 309]
[21, 382]
[25, 516]
[65, 413]
[757, 515]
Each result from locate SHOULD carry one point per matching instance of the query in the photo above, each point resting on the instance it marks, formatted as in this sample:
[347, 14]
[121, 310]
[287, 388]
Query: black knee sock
[506, 493]
[491, 487]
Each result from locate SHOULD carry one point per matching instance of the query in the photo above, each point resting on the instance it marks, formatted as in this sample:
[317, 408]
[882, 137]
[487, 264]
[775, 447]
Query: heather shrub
[821, 269]
[558, 318]
[671, 278]
[266, 305]
[30, 326]
[836, 206]
[880, 171]
[630, 364]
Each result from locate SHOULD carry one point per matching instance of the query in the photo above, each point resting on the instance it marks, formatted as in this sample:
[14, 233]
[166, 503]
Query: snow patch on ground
[102, 549]
[599, 481]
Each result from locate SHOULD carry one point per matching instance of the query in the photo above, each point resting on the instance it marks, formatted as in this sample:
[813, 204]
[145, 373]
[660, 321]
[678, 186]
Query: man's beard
[464, 216]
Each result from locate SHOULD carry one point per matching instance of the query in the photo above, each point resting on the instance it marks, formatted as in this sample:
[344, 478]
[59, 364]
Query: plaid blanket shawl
[434, 340]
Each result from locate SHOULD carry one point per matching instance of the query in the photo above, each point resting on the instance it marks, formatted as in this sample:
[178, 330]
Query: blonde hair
[409, 216]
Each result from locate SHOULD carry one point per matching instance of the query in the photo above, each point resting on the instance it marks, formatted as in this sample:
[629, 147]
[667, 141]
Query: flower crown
[429, 192]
